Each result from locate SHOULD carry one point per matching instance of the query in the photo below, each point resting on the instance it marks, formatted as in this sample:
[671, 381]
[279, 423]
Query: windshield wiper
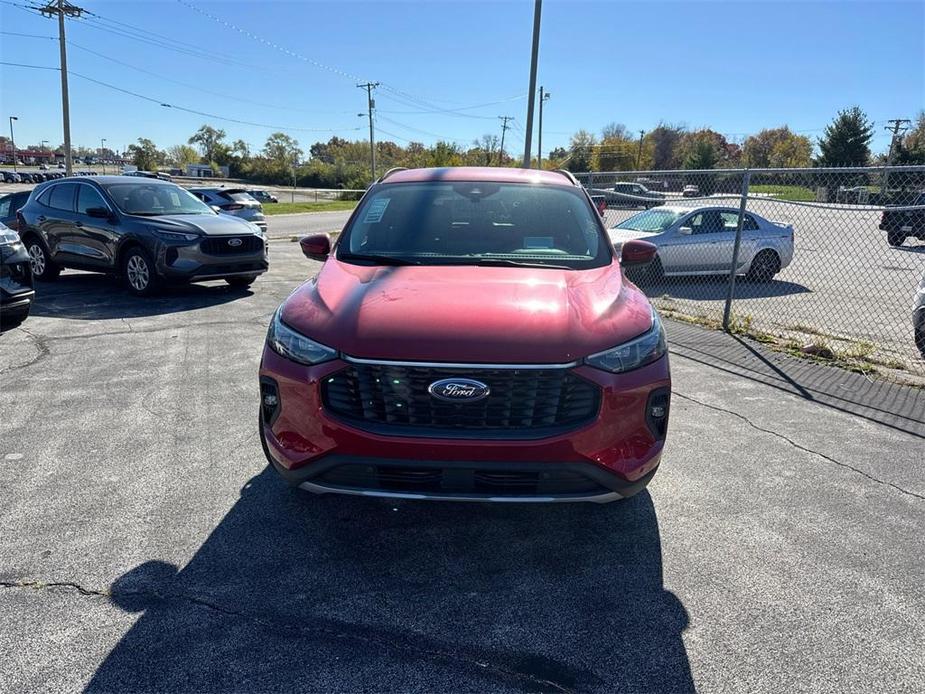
[507, 262]
[377, 259]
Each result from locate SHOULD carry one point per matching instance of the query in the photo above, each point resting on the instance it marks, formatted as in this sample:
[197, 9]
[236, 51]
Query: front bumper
[190, 263]
[613, 456]
[16, 284]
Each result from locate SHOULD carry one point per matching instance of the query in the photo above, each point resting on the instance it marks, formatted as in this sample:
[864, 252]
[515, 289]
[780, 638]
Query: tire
[9, 322]
[895, 238]
[764, 266]
[44, 268]
[920, 339]
[139, 272]
[241, 282]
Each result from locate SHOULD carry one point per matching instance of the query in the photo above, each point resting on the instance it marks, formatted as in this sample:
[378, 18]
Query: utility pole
[13, 141]
[63, 9]
[539, 145]
[528, 138]
[639, 153]
[103, 154]
[504, 127]
[371, 104]
[898, 127]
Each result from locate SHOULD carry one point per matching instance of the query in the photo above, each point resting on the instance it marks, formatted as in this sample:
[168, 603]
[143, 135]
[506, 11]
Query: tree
[182, 156]
[581, 149]
[846, 141]
[616, 150]
[777, 147]
[701, 154]
[485, 147]
[663, 143]
[911, 148]
[145, 154]
[240, 149]
[208, 139]
[282, 150]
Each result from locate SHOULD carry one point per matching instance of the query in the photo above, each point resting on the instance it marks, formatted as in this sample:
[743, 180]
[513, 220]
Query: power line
[178, 107]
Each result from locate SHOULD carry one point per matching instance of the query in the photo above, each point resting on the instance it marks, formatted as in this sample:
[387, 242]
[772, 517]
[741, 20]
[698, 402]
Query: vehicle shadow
[296, 592]
[714, 288]
[90, 296]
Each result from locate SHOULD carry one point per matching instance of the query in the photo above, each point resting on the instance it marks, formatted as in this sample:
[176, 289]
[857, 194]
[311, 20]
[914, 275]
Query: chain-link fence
[827, 261]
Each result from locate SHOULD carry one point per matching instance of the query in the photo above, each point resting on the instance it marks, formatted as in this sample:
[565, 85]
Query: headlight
[295, 346]
[8, 237]
[174, 235]
[639, 351]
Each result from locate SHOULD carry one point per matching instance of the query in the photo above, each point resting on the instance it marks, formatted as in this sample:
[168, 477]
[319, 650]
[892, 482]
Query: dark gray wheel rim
[37, 259]
[136, 269]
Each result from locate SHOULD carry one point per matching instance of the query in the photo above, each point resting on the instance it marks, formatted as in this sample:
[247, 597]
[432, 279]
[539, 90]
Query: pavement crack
[358, 634]
[798, 445]
[41, 344]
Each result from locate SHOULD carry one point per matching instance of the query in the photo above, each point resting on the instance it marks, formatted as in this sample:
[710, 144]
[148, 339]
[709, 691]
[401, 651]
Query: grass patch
[296, 207]
[797, 193]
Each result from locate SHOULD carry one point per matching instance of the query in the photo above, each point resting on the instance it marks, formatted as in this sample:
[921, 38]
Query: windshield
[651, 220]
[471, 223]
[154, 199]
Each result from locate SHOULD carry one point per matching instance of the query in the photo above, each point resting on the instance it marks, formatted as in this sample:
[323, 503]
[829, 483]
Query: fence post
[727, 309]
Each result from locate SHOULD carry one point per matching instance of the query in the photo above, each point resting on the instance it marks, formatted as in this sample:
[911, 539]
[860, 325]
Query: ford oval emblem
[458, 390]
[234, 243]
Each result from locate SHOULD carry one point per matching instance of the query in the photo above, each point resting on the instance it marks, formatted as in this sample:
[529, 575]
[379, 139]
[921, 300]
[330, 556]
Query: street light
[13, 140]
[102, 154]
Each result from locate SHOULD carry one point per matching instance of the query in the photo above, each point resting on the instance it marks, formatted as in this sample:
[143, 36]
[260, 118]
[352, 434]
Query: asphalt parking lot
[147, 547]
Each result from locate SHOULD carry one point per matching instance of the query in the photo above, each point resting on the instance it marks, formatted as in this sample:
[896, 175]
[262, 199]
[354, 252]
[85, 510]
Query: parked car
[25, 177]
[43, 167]
[61, 166]
[630, 195]
[902, 224]
[233, 201]
[262, 196]
[140, 174]
[147, 231]
[9, 205]
[16, 287]
[11, 177]
[700, 240]
[918, 318]
[470, 337]
[690, 191]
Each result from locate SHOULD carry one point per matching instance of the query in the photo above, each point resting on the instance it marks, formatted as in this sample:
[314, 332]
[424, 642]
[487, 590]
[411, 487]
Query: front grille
[473, 481]
[221, 246]
[523, 403]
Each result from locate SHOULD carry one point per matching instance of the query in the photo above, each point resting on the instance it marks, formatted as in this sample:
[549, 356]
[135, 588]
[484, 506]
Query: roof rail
[569, 175]
[390, 172]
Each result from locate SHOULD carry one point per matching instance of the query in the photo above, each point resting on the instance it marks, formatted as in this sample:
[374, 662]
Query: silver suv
[233, 201]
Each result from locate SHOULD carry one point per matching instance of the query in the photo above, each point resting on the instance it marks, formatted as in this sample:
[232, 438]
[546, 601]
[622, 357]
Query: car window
[651, 220]
[712, 222]
[87, 197]
[151, 199]
[61, 197]
[468, 223]
[5, 203]
[749, 223]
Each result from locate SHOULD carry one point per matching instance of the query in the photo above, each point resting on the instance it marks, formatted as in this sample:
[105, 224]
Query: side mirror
[98, 212]
[216, 209]
[316, 246]
[685, 231]
[637, 252]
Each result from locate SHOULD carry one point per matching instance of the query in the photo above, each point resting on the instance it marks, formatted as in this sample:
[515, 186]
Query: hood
[468, 314]
[618, 235]
[210, 225]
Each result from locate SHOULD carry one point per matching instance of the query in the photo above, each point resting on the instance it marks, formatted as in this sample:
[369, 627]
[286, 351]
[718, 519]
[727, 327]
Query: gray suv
[233, 201]
[149, 232]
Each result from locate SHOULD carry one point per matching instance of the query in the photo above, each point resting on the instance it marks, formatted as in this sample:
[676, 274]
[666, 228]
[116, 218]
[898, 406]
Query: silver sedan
[700, 241]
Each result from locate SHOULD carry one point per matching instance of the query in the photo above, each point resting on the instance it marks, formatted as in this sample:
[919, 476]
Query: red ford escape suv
[471, 336]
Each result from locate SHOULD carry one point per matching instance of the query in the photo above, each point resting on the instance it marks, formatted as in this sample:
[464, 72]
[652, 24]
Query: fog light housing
[269, 400]
[657, 410]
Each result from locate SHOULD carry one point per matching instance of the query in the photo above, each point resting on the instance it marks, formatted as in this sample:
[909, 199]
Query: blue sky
[734, 66]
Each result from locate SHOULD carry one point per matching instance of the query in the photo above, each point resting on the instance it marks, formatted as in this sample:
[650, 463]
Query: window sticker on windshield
[538, 242]
[375, 210]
